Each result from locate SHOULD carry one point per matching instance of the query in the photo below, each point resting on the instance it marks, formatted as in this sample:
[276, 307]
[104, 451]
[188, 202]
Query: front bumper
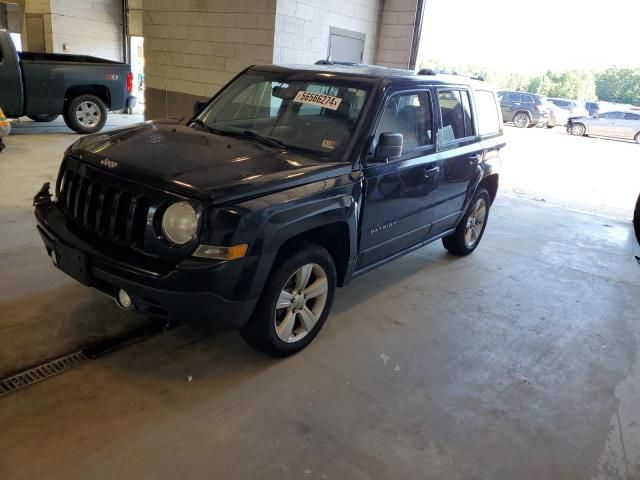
[192, 292]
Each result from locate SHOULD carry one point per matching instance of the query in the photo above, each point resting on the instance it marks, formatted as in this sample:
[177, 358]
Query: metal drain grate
[41, 372]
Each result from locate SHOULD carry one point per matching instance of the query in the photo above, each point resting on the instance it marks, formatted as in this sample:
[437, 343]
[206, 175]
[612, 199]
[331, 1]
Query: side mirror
[199, 106]
[389, 147]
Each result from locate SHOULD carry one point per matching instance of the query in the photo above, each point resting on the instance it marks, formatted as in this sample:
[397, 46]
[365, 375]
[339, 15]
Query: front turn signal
[221, 253]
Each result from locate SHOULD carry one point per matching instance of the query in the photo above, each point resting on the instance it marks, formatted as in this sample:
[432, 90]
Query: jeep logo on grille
[108, 163]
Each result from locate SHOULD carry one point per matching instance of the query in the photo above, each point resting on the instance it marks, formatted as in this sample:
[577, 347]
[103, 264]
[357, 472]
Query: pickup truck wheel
[85, 114]
[521, 120]
[44, 117]
[471, 228]
[295, 302]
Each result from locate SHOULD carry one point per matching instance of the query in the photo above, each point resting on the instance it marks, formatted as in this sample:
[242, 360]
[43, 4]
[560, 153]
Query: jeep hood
[198, 163]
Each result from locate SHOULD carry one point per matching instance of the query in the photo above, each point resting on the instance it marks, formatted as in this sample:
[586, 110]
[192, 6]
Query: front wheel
[521, 120]
[578, 130]
[85, 114]
[471, 228]
[637, 137]
[295, 302]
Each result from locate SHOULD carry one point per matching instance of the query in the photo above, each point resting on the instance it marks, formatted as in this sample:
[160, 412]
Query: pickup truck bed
[45, 85]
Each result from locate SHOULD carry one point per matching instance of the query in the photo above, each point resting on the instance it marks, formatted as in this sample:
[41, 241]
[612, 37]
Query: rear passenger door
[460, 150]
[400, 196]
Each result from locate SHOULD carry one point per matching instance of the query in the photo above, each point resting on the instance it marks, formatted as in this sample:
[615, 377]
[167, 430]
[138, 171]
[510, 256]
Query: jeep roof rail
[431, 71]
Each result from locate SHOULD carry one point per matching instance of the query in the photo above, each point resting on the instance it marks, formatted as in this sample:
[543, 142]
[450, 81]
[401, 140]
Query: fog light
[124, 300]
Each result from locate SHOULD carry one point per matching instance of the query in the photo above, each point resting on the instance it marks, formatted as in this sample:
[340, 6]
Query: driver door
[399, 195]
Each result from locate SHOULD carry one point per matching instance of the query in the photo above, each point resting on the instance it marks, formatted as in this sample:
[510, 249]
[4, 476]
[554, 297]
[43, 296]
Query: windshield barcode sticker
[325, 101]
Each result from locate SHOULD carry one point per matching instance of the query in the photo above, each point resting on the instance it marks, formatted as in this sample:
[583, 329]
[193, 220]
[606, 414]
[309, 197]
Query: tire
[459, 243]
[637, 139]
[636, 220]
[275, 320]
[550, 126]
[578, 129]
[85, 114]
[521, 120]
[44, 117]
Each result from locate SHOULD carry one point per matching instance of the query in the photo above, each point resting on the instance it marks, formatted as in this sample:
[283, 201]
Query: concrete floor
[518, 362]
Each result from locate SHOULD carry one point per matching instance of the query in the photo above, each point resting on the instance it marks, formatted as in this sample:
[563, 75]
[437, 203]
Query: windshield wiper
[270, 141]
[200, 123]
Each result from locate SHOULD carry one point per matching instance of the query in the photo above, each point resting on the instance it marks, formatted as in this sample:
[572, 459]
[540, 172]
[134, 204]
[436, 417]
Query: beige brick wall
[87, 27]
[396, 33]
[38, 7]
[196, 46]
[302, 27]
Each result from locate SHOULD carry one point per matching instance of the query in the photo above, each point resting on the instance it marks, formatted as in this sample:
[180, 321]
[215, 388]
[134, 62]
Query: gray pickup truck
[45, 85]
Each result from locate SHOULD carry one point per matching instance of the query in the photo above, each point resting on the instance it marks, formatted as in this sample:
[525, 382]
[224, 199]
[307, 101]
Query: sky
[532, 36]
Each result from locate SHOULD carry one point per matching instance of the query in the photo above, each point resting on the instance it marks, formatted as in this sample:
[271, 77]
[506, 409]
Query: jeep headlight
[179, 223]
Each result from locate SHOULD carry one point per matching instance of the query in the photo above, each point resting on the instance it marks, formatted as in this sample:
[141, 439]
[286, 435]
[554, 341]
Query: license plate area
[73, 262]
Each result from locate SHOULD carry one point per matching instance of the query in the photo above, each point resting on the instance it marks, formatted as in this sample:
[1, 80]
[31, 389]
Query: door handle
[431, 172]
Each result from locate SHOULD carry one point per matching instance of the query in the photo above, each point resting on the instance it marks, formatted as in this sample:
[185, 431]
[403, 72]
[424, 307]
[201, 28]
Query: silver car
[618, 124]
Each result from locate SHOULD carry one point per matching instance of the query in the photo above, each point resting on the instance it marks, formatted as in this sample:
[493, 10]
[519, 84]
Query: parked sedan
[623, 125]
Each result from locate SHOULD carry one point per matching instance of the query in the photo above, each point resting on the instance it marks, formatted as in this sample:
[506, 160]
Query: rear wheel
[43, 117]
[521, 120]
[85, 114]
[471, 228]
[295, 302]
[550, 126]
[638, 138]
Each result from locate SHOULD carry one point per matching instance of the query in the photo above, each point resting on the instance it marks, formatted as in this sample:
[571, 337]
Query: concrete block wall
[302, 27]
[396, 33]
[88, 27]
[194, 47]
[39, 7]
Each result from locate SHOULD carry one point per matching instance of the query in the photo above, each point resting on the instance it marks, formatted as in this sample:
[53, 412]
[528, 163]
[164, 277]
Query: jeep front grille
[102, 208]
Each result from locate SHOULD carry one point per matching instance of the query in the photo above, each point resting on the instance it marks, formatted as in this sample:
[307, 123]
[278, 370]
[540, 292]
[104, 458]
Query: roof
[375, 72]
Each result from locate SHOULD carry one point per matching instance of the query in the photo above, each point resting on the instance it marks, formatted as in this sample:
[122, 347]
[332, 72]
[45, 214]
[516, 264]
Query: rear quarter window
[487, 113]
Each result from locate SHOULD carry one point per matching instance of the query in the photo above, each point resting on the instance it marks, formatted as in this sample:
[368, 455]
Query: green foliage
[573, 84]
[619, 85]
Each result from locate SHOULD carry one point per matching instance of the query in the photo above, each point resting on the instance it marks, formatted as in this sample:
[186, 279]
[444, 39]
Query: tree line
[620, 85]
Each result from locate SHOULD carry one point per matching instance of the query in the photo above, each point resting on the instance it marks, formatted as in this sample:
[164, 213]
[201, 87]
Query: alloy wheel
[301, 303]
[88, 114]
[475, 223]
[577, 130]
[521, 120]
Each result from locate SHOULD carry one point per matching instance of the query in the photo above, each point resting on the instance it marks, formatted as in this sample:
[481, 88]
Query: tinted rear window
[631, 116]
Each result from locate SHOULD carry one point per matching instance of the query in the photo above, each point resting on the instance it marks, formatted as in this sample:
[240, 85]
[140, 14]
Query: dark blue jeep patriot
[289, 182]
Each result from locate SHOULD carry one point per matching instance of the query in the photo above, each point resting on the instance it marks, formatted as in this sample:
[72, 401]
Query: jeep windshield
[314, 116]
